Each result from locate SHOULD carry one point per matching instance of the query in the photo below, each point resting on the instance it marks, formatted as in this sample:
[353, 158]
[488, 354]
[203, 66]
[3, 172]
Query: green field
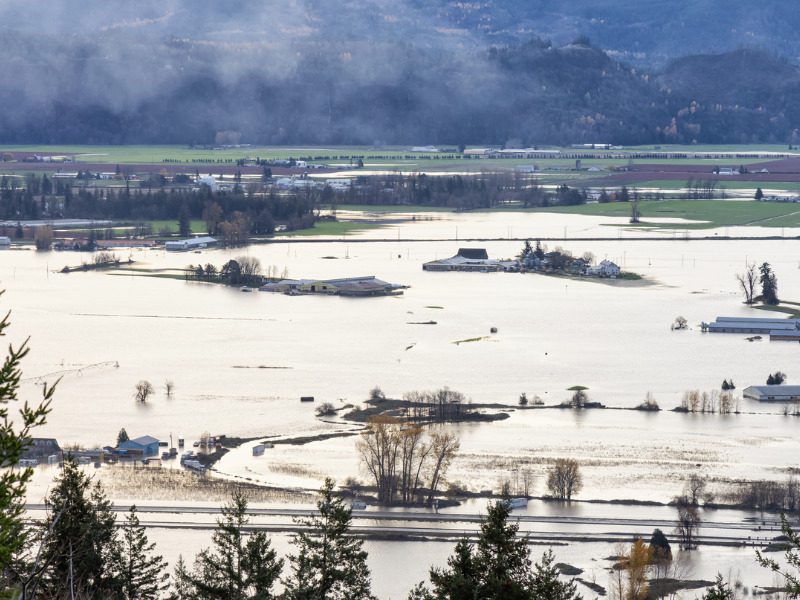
[168, 226]
[709, 213]
[336, 228]
[390, 157]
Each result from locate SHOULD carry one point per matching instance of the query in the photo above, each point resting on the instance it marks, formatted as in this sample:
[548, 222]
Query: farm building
[348, 286]
[777, 329]
[5, 241]
[471, 259]
[190, 244]
[773, 393]
[145, 445]
[41, 450]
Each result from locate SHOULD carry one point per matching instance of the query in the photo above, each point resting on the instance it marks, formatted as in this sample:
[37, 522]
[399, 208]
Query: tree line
[41, 199]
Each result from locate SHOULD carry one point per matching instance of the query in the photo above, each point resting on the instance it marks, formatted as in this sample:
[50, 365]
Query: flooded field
[240, 362]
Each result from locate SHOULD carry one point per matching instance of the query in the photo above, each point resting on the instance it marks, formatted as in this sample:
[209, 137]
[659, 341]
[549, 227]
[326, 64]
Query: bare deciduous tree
[143, 390]
[748, 281]
[399, 459]
[564, 478]
[688, 522]
[695, 489]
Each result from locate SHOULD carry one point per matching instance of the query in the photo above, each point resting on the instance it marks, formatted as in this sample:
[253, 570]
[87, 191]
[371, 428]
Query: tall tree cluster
[405, 464]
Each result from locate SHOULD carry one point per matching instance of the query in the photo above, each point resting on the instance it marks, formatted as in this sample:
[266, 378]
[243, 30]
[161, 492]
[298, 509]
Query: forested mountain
[400, 72]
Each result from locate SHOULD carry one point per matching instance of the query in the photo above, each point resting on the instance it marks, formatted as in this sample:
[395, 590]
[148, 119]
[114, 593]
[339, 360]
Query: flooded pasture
[240, 362]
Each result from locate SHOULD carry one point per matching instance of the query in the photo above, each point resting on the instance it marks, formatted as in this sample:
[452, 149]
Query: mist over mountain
[407, 71]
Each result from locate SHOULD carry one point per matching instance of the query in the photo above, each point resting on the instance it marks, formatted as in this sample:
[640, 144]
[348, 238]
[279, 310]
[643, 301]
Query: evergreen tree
[546, 585]
[15, 435]
[720, 591]
[769, 284]
[759, 195]
[182, 589]
[184, 221]
[122, 436]
[238, 566]
[139, 572]
[498, 567]
[461, 578]
[80, 540]
[501, 557]
[538, 251]
[789, 571]
[330, 563]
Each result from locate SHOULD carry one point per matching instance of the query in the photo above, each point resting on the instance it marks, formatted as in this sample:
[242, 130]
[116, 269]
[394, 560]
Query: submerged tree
[144, 389]
[238, 566]
[16, 426]
[747, 281]
[688, 522]
[330, 563]
[564, 478]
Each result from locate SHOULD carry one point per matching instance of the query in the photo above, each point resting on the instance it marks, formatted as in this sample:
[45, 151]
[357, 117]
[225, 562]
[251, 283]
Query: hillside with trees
[402, 73]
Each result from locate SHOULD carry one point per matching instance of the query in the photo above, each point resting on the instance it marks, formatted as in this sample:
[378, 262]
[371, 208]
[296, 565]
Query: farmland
[707, 213]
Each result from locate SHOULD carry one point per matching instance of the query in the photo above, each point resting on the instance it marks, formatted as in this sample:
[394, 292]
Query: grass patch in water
[467, 340]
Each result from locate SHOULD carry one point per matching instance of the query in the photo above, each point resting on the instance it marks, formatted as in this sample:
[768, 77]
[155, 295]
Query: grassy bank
[706, 213]
[333, 228]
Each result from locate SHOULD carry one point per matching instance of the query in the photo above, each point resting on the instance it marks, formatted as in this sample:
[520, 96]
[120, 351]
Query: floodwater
[241, 361]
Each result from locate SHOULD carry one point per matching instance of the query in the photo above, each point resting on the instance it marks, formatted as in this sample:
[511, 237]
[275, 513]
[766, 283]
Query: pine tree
[789, 571]
[80, 541]
[238, 566]
[501, 557]
[330, 563]
[184, 221]
[769, 284]
[461, 578]
[720, 591]
[140, 573]
[498, 567]
[546, 585]
[15, 435]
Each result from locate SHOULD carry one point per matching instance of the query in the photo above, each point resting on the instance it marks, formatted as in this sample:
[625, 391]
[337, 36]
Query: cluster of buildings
[348, 286]
[777, 329]
[477, 259]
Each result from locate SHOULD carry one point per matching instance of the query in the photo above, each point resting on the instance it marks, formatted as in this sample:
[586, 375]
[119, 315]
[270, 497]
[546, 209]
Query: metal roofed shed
[145, 445]
[473, 253]
[190, 244]
[777, 329]
[773, 393]
[471, 259]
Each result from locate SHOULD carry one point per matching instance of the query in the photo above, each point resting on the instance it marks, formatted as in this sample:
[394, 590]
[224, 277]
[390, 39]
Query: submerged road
[399, 524]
